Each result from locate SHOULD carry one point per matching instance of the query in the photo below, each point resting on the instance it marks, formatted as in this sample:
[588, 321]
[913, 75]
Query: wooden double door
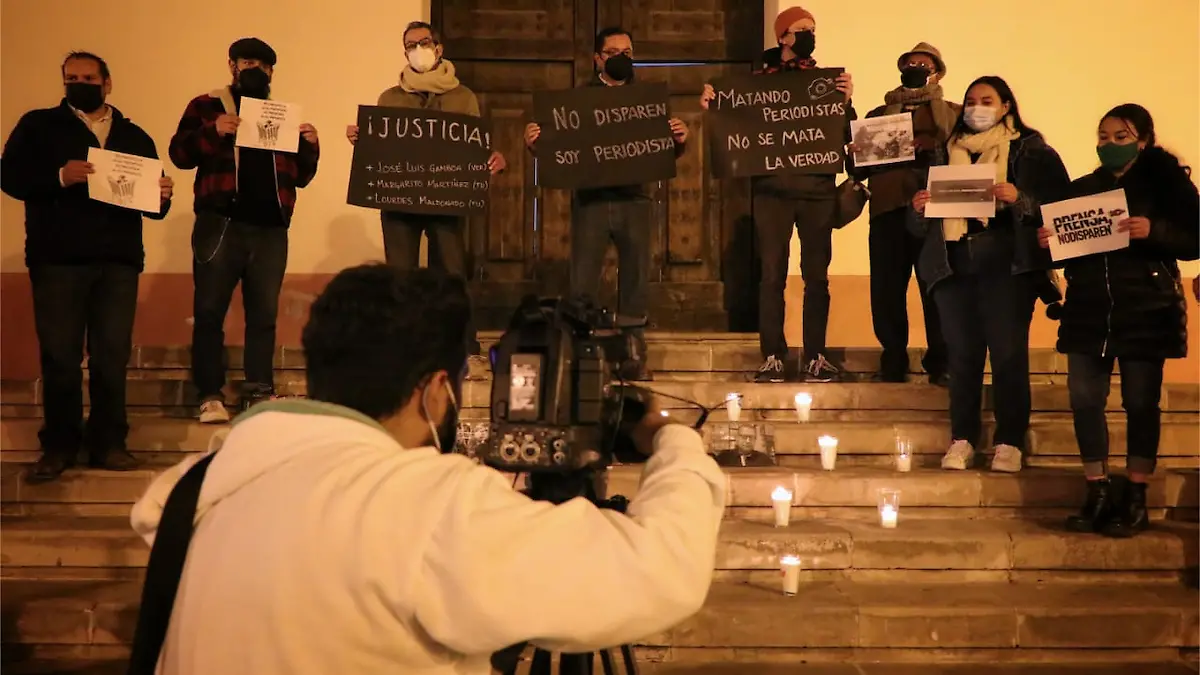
[702, 276]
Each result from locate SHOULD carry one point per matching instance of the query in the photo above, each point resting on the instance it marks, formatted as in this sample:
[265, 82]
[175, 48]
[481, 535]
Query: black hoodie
[64, 226]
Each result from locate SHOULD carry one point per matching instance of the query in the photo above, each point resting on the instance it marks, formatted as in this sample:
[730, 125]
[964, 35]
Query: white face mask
[981, 118]
[422, 59]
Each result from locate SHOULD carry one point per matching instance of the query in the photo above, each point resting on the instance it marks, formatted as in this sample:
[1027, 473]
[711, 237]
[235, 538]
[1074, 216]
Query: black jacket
[1130, 302]
[63, 226]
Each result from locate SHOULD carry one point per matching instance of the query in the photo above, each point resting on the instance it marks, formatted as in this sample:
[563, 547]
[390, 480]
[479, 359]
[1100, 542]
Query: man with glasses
[619, 213]
[429, 82]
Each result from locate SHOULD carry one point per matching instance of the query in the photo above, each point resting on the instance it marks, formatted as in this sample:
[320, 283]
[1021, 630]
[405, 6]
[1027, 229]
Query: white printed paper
[1086, 225]
[125, 180]
[962, 191]
[883, 140]
[269, 125]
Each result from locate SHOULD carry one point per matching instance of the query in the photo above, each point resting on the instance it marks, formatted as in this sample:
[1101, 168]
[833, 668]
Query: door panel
[702, 243]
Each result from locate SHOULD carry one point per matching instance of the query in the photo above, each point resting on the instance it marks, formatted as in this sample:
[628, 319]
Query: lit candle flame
[781, 494]
[803, 398]
[790, 560]
[827, 442]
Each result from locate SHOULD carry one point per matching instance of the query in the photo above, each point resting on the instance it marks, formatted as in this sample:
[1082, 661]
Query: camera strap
[165, 569]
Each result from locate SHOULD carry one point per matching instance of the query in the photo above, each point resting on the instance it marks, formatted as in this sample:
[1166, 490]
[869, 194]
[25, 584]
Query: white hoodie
[322, 546]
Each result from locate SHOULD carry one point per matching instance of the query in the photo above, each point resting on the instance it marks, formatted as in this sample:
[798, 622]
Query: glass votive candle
[903, 455]
[733, 406]
[889, 508]
[790, 565]
[829, 448]
[781, 500]
[803, 406]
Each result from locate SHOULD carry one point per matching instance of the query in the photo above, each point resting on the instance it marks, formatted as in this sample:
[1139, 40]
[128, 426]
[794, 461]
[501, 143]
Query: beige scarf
[900, 99]
[439, 80]
[992, 148]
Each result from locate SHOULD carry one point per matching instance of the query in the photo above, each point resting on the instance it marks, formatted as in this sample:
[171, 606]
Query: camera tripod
[557, 489]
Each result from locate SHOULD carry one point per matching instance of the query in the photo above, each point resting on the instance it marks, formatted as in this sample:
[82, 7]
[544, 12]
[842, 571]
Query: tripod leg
[576, 664]
[540, 664]
[606, 662]
[630, 663]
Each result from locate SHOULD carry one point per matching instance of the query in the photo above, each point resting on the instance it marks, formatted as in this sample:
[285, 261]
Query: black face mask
[85, 96]
[914, 77]
[619, 67]
[805, 44]
[254, 82]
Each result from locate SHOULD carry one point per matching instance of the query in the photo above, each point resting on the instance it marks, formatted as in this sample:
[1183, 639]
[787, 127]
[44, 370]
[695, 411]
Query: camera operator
[337, 534]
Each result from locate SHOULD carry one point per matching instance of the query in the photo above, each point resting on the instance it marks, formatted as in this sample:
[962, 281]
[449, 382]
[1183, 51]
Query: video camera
[559, 400]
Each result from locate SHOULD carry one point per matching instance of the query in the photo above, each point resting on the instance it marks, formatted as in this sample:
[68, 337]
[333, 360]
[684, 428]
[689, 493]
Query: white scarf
[992, 147]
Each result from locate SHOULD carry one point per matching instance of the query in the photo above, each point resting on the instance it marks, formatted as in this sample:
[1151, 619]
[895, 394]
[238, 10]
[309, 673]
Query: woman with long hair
[1127, 306]
[983, 272]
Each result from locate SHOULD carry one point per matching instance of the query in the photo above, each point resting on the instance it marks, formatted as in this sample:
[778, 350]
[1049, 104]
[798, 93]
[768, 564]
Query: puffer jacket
[1130, 303]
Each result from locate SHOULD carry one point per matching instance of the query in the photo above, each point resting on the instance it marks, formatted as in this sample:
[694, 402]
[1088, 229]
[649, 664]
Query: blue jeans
[227, 252]
[1088, 379]
[984, 308]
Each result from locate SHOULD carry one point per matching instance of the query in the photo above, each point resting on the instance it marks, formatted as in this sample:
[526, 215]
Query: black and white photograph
[961, 191]
[883, 140]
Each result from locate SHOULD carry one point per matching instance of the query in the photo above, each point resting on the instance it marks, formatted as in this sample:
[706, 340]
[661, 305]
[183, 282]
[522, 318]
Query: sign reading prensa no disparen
[760, 125]
[420, 161]
[602, 136]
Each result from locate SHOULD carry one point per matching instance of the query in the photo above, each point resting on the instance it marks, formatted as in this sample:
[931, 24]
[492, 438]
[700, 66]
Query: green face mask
[1115, 157]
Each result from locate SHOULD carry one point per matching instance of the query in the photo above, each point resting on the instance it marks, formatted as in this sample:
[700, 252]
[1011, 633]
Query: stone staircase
[979, 577]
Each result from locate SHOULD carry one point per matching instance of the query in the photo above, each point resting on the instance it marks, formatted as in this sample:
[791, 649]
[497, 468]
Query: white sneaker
[1006, 459]
[213, 412]
[959, 457]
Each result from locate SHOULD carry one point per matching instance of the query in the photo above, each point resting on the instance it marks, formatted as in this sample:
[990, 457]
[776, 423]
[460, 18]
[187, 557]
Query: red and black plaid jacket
[196, 145]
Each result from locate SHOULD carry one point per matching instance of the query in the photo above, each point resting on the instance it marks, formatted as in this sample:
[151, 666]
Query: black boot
[1097, 509]
[1130, 516]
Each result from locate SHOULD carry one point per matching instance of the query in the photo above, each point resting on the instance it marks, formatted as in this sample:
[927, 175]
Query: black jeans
[447, 248]
[774, 218]
[627, 224]
[894, 253]
[1088, 380]
[71, 304]
[984, 309]
[226, 252]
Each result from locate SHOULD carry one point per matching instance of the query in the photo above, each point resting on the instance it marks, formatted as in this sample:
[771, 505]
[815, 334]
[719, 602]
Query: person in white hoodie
[336, 535]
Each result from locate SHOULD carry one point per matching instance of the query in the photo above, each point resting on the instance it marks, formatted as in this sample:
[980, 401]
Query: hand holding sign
[166, 187]
[1005, 192]
[76, 171]
[707, 95]
[1087, 225]
[533, 131]
[1137, 227]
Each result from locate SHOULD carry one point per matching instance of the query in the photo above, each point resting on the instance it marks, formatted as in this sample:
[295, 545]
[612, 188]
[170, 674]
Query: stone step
[839, 614]
[117, 666]
[828, 549]
[756, 398]
[1051, 435]
[818, 494]
[673, 352]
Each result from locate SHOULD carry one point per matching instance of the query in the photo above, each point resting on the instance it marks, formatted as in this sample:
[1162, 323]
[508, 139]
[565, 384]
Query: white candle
[803, 406]
[888, 516]
[904, 462]
[733, 406]
[781, 499]
[791, 574]
[829, 446]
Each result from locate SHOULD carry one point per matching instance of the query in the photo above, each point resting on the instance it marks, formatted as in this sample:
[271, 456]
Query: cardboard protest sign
[1086, 225]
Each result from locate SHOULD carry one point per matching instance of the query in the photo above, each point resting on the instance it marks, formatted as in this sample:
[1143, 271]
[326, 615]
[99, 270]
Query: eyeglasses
[425, 42]
[609, 53]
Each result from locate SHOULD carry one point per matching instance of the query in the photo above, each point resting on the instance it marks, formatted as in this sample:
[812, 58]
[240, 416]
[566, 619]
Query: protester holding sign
[1127, 306]
[893, 250]
[428, 82]
[983, 274]
[245, 198]
[622, 214]
[805, 201]
[84, 258]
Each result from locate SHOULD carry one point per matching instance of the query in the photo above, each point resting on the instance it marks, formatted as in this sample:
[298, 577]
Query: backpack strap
[165, 569]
